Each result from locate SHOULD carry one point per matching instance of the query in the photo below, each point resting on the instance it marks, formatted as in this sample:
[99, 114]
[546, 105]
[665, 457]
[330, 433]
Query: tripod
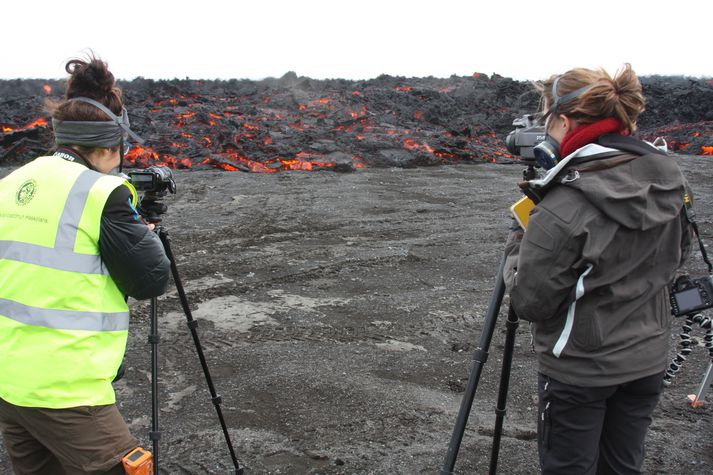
[155, 434]
[480, 356]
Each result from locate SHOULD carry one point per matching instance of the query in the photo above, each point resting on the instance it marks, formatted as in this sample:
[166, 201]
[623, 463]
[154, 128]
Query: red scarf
[589, 133]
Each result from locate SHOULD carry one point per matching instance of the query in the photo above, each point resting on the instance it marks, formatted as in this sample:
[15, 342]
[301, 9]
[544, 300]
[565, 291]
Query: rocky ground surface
[339, 313]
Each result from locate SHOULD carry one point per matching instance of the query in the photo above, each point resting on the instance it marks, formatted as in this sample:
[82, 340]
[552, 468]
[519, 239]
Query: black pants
[595, 430]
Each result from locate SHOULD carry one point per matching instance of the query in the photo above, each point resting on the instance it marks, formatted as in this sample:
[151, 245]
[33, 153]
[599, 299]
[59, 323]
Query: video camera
[527, 134]
[155, 182]
[689, 296]
[156, 179]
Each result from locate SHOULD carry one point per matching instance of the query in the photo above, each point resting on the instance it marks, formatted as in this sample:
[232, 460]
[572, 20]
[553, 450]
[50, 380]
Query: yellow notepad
[521, 210]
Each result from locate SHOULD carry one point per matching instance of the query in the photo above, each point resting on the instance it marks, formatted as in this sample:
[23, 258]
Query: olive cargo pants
[77, 440]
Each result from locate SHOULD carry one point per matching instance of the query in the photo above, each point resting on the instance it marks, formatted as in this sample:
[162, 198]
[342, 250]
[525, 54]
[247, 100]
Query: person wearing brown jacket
[593, 271]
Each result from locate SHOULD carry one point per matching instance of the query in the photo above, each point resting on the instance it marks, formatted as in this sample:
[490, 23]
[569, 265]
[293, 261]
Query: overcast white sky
[355, 39]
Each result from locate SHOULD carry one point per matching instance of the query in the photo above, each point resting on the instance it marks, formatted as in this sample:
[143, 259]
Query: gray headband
[102, 133]
[559, 100]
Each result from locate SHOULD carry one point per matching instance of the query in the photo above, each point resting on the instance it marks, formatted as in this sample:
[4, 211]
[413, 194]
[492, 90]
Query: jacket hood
[637, 191]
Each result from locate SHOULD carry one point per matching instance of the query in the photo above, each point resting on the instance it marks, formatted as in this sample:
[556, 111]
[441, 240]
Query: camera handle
[155, 434]
[480, 356]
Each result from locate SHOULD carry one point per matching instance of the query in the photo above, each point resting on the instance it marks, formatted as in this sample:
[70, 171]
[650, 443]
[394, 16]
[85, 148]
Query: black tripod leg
[154, 434]
[192, 325]
[511, 325]
[480, 356]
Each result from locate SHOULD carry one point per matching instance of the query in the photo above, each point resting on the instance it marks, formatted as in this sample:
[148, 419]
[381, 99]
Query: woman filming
[600, 250]
[72, 247]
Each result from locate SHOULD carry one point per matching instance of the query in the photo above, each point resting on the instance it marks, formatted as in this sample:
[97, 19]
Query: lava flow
[297, 123]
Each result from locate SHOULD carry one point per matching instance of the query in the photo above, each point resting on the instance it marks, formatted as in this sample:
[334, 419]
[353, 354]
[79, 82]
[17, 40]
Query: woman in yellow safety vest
[72, 247]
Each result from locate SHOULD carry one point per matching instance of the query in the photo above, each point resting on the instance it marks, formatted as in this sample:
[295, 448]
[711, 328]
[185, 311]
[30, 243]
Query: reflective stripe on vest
[59, 259]
[63, 257]
[64, 319]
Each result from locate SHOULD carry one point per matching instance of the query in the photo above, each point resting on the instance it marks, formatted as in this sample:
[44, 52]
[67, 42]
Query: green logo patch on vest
[26, 192]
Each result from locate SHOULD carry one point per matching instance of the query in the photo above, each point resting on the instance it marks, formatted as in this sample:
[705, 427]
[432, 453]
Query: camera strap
[69, 154]
[691, 217]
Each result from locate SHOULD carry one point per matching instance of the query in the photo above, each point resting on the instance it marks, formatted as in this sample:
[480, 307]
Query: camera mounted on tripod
[157, 179]
[689, 296]
[155, 183]
[528, 133]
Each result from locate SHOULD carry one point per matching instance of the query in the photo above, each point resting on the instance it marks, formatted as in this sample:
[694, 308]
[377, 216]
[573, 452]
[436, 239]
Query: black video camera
[156, 179]
[155, 182]
[689, 296]
[527, 134]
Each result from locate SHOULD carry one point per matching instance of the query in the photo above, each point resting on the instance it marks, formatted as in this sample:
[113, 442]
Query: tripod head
[151, 206]
[530, 173]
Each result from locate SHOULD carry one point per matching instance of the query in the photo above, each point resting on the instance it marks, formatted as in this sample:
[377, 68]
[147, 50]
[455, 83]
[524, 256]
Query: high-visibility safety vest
[63, 321]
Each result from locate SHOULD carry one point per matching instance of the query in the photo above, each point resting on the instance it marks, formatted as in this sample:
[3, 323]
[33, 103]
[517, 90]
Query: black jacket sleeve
[133, 254]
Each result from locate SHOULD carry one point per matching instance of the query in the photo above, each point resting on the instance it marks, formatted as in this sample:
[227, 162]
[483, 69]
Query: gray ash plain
[338, 314]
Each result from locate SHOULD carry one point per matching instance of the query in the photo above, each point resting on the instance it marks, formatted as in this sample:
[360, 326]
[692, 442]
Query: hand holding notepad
[521, 211]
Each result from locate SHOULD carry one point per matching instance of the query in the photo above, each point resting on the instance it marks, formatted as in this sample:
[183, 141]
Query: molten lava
[296, 123]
